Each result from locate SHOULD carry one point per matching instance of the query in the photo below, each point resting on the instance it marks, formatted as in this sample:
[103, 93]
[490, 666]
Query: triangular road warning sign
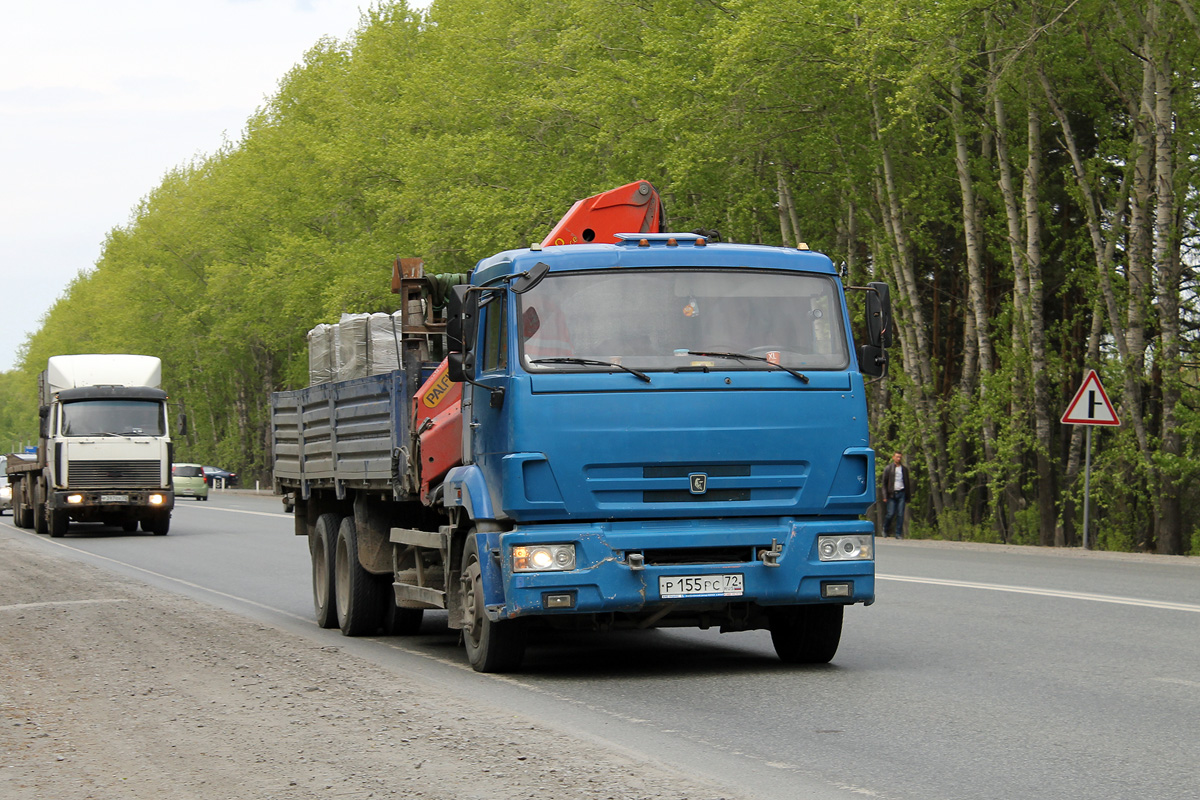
[1091, 405]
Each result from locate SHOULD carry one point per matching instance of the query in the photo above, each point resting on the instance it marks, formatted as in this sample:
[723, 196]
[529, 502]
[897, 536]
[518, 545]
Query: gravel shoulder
[112, 688]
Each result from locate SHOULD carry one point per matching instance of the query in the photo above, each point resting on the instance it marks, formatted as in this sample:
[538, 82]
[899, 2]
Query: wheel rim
[320, 572]
[342, 578]
[473, 601]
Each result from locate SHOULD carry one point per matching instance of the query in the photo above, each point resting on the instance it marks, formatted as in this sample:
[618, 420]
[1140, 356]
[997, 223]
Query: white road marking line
[23, 606]
[1097, 598]
[240, 511]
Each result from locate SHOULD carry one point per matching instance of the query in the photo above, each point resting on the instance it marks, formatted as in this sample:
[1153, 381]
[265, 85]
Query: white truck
[104, 449]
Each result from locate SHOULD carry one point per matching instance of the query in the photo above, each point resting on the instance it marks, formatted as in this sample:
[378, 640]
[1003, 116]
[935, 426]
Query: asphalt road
[980, 672]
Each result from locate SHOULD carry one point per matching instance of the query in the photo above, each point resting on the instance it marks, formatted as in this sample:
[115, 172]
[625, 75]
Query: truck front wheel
[158, 524]
[57, 522]
[806, 634]
[321, 547]
[491, 646]
[359, 610]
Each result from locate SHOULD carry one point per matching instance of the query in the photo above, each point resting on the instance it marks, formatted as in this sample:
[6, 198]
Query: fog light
[544, 558]
[566, 600]
[837, 589]
[848, 547]
[74, 499]
[156, 500]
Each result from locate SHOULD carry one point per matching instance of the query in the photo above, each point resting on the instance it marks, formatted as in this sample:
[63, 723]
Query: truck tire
[321, 545]
[806, 634]
[491, 646]
[39, 508]
[357, 591]
[22, 517]
[158, 524]
[57, 523]
[399, 621]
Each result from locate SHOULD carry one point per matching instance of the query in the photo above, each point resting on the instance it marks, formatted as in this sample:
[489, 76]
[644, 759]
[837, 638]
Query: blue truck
[654, 430]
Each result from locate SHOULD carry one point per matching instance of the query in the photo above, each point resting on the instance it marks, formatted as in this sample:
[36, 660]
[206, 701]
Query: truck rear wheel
[491, 646]
[22, 515]
[357, 591]
[806, 634]
[39, 508]
[399, 621]
[321, 546]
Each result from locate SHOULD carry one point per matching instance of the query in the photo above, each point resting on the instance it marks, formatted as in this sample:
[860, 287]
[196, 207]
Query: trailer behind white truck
[104, 449]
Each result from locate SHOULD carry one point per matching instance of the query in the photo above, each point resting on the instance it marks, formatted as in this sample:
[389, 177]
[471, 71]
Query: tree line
[1022, 173]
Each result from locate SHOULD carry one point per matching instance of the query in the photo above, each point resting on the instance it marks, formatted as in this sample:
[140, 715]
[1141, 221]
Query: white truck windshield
[660, 319]
[113, 418]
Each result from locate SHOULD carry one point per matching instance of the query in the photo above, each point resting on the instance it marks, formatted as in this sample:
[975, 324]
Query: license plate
[725, 585]
[114, 498]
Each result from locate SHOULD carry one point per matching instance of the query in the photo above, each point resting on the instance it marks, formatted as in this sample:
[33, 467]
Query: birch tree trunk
[1167, 264]
[1021, 323]
[1037, 327]
[976, 288]
[914, 334]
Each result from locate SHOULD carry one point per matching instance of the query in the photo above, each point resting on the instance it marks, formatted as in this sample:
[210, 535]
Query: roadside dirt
[113, 689]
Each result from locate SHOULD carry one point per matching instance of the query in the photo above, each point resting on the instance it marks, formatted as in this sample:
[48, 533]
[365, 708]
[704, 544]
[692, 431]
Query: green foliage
[471, 128]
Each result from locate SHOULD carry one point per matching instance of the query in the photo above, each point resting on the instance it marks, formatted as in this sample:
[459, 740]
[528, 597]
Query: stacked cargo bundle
[355, 347]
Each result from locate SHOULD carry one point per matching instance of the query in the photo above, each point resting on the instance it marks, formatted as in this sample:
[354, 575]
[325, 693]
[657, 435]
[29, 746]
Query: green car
[189, 481]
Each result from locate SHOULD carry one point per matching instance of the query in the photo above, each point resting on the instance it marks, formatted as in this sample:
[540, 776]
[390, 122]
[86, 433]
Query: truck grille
[114, 474]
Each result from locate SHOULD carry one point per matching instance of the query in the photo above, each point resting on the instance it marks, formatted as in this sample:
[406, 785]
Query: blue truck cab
[664, 431]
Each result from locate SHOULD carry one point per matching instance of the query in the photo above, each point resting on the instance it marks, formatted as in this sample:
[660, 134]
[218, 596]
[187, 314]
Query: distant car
[188, 480]
[213, 474]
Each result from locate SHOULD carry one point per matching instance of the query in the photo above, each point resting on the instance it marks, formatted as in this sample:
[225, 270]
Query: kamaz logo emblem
[697, 483]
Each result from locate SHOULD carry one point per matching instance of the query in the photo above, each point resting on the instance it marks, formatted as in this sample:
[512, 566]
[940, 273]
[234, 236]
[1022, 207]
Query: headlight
[544, 558]
[855, 547]
[74, 499]
[155, 499]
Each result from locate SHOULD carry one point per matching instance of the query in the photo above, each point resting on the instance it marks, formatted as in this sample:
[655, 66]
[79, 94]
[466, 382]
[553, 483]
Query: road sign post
[1090, 407]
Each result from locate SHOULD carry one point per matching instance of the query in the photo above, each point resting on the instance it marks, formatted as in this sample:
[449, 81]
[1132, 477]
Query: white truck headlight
[544, 558]
[846, 547]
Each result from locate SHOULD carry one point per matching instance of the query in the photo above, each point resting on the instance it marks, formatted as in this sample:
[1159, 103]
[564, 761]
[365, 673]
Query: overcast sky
[98, 100]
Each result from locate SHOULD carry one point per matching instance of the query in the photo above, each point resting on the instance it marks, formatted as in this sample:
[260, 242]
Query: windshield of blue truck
[661, 319]
[113, 418]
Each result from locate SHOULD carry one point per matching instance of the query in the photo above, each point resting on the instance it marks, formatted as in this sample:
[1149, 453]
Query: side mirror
[872, 360]
[454, 367]
[879, 315]
[462, 313]
[530, 278]
[183, 423]
[460, 367]
[44, 421]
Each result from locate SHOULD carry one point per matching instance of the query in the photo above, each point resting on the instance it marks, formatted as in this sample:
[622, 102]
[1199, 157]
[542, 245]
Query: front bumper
[608, 577]
[95, 501]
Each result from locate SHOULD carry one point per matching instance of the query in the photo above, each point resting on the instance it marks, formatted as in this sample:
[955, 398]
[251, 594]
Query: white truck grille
[114, 474]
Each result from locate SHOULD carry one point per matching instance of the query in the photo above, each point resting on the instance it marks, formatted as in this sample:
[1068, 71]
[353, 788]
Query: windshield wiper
[744, 357]
[591, 362]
